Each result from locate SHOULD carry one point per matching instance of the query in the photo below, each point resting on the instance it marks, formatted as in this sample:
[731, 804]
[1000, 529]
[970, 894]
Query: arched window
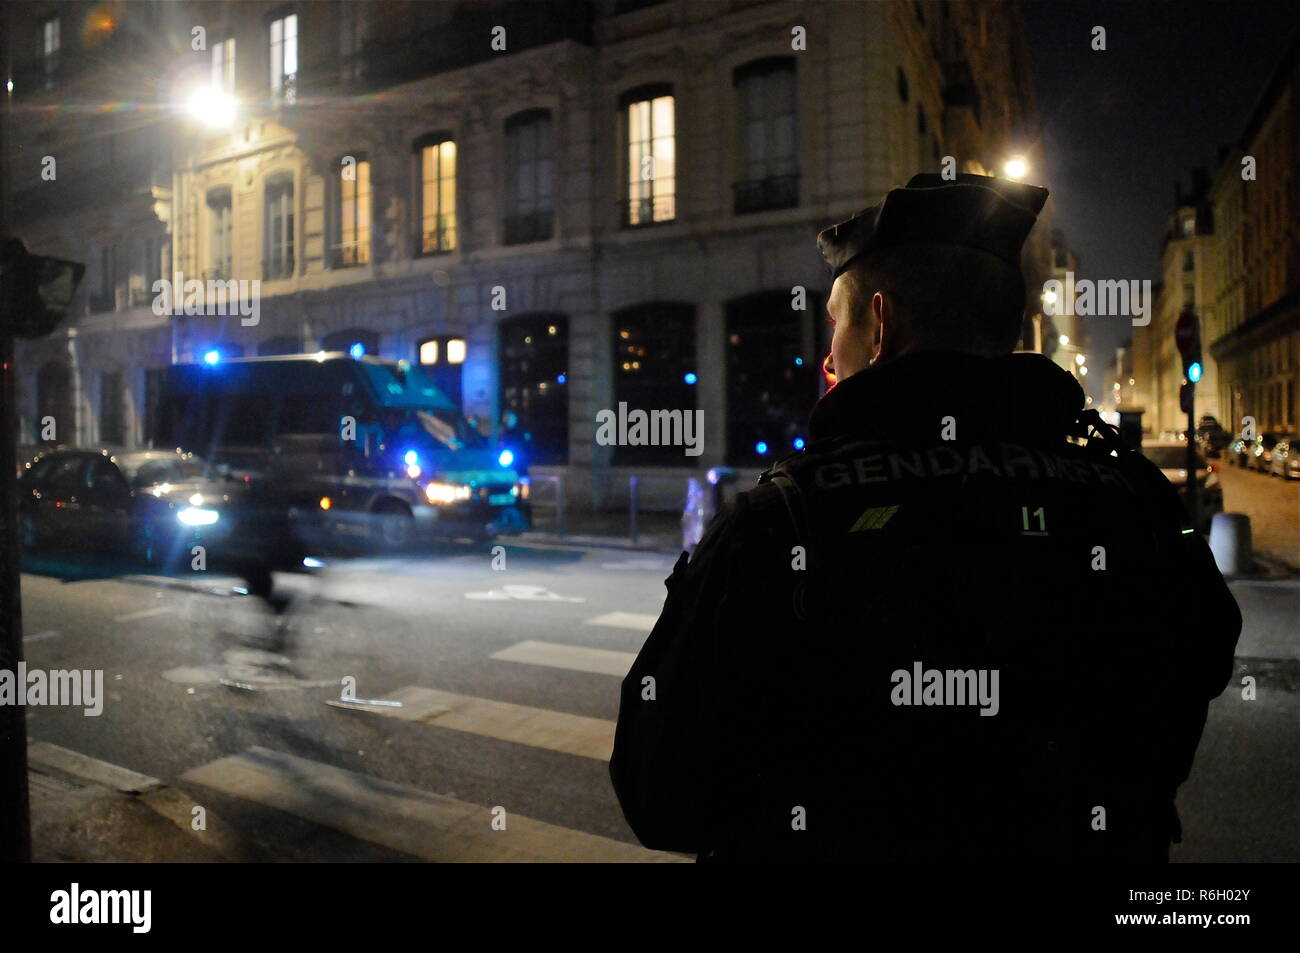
[772, 368]
[534, 378]
[654, 370]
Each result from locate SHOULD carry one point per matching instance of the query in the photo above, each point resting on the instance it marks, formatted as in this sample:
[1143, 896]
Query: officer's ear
[884, 326]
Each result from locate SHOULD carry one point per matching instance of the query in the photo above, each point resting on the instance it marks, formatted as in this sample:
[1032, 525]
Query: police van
[354, 448]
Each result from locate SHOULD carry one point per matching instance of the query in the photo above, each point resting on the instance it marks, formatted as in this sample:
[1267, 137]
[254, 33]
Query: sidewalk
[88, 811]
[657, 531]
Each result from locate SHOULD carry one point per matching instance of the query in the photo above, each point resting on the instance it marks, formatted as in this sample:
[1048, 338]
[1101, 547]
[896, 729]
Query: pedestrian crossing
[435, 826]
[402, 818]
[520, 724]
[578, 658]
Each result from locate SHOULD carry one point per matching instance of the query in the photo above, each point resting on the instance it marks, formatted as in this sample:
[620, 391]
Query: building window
[443, 358]
[220, 225]
[534, 354]
[223, 65]
[530, 174]
[1189, 296]
[112, 422]
[1189, 261]
[103, 296]
[769, 163]
[284, 59]
[50, 48]
[352, 227]
[651, 167]
[902, 85]
[654, 370]
[772, 369]
[279, 258]
[437, 194]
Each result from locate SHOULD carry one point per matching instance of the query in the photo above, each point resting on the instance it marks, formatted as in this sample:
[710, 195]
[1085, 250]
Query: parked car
[1171, 457]
[1260, 452]
[1238, 453]
[1211, 437]
[1284, 461]
[151, 505]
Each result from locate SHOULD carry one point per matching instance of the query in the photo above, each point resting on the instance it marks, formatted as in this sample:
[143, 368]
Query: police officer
[964, 624]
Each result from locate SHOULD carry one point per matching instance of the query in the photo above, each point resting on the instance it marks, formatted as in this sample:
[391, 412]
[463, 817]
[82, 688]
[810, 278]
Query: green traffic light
[1194, 371]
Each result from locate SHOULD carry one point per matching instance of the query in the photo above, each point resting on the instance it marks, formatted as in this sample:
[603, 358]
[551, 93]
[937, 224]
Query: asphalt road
[275, 753]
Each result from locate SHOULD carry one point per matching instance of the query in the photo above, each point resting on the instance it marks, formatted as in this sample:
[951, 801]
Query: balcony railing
[656, 210]
[758, 195]
[532, 227]
[349, 254]
[439, 236]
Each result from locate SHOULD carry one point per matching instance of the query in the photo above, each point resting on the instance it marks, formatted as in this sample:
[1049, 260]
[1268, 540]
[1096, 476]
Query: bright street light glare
[212, 107]
[1015, 168]
[1065, 339]
[1079, 359]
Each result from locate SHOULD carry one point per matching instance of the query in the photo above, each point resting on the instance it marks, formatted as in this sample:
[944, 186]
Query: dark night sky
[1120, 127]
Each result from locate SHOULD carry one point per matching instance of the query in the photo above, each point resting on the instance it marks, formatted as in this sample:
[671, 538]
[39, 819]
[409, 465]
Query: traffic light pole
[1193, 488]
[15, 825]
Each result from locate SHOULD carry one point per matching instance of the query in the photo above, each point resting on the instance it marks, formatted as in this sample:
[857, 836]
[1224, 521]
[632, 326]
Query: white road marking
[626, 620]
[143, 614]
[45, 755]
[42, 636]
[402, 818]
[520, 724]
[576, 657]
[526, 593]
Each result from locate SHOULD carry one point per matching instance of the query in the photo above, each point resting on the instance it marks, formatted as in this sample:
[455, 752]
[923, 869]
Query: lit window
[429, 352]
[437, 196]
[353, 236]
[284, 59]
[651, 156]
[223, 65]
[456, 351]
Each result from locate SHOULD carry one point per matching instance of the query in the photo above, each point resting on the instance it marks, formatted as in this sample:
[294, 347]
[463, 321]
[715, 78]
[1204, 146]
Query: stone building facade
[555, 206]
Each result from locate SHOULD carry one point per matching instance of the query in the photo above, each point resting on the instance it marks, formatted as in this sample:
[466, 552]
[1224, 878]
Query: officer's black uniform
[763, 718]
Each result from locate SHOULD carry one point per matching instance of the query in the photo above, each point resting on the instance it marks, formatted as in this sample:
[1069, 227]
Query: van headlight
[197, 516]
[445, 492]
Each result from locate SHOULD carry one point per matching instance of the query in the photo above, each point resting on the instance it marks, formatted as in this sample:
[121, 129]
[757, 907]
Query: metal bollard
[1230, 542]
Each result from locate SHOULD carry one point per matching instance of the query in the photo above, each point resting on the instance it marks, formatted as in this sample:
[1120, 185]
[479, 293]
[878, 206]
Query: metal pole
[15, 828]
[631, 509]
[1192, 486]
[559, 503]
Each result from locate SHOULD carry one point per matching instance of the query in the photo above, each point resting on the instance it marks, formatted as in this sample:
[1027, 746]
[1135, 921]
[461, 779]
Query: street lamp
[1015, 168]
[212, 107]
[1079, 359]
[1064, 339]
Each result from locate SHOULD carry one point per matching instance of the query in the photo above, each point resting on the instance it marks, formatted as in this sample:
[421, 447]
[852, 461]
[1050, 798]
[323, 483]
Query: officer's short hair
[949, 296]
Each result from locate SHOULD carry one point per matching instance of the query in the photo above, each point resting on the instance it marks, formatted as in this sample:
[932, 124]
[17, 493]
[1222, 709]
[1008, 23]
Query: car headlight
[197, 516]
[445, 492]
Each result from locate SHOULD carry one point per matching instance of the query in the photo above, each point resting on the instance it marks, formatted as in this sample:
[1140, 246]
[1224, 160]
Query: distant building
[1254, 332]
[556, 206]
[1187, 273]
